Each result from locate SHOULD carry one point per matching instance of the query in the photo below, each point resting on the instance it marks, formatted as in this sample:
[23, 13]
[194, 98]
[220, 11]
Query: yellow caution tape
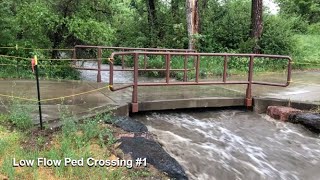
[35, 49]
[310, 84]
[56, 98]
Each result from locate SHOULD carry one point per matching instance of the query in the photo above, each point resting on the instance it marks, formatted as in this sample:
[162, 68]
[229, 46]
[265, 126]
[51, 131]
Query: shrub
[19, 115]
[314, 29]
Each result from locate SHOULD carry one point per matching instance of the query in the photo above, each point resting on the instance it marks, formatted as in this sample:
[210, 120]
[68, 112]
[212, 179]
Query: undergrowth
[91, 137]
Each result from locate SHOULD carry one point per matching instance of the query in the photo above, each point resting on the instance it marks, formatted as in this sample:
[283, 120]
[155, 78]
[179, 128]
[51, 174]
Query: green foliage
[308, 51]
[91, 31]
[308, 9]
[278, 37]
[224, 27]
[314, 29]
[20, 115]
[75, 141]
[8, 169]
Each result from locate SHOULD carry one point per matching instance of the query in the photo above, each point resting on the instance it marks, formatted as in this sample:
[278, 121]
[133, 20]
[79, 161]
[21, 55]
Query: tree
[256, 24]
[192, 15]
[153, 21]
[308, 9]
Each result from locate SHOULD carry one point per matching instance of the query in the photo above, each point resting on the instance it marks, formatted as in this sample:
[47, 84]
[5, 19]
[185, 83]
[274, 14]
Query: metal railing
[197, 57]
[100, 50]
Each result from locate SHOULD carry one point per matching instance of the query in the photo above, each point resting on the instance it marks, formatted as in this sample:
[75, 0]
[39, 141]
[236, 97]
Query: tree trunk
[256, 24]
[152, 19]
[192, 21]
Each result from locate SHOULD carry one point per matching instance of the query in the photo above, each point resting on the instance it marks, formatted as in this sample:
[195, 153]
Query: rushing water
[232, 144]
[119, 77]
[235, 144]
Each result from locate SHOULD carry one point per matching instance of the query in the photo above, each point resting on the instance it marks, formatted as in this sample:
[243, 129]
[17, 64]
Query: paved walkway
[306, 87]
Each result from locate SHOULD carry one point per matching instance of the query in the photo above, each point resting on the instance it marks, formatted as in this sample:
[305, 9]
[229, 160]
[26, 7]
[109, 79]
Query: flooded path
[305, 86]
[235, 144]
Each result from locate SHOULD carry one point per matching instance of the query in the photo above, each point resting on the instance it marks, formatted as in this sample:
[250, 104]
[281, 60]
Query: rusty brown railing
[196, 56]
[121, 49]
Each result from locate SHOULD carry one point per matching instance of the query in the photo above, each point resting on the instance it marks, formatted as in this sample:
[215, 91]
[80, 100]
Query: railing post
[145, 61]
[135, 107]
[99, 65]
[249, 86]
[185, 75]
[111, 72]
[74, 56]
[289, 71]
[122, 60]
[168, 58]
[17, 67]
[225, 68]
[197, 67]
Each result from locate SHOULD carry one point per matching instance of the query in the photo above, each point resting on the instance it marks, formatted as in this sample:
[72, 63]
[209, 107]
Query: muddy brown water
[236, 144]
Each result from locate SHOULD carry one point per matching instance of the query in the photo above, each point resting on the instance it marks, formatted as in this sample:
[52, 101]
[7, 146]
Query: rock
[139, 147]
[308, 120]
[130, 125]
[145, 135]
[281, 112]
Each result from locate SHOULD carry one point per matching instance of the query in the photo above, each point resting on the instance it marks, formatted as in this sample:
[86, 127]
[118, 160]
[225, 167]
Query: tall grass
[90, 138]
[307, 52]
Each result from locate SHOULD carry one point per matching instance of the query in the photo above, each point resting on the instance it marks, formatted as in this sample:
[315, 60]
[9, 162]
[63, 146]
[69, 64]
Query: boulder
[130, 125]
[139, 147]
[146, 135]
[308, 120]
[281, 112]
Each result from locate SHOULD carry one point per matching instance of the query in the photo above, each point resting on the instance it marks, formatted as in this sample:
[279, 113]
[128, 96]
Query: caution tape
[56, 98]
[310, 84]
[35, 49]
[306, 63]
[44, 59]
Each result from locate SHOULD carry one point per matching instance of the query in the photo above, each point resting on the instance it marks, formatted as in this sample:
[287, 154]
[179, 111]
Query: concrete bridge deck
[306, 87]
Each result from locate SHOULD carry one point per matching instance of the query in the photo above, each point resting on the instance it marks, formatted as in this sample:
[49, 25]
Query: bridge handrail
[132, 49]
[197, 56]
[124, 49]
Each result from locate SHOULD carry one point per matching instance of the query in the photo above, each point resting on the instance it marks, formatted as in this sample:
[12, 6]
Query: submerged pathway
[93, 97]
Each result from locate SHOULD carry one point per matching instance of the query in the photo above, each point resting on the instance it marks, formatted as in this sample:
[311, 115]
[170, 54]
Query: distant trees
[308, 9]
[56, 23]
[205, 25]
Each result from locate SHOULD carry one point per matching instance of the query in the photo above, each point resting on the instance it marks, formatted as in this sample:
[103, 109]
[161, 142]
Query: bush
[278, 36]
[314, 29]
[19, 115]
[225, 26]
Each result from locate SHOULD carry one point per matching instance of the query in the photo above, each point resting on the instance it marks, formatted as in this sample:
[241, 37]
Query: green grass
[308, 52]
[90, 138]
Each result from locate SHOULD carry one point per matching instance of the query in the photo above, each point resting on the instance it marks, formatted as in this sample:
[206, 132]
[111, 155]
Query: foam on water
[234, 144]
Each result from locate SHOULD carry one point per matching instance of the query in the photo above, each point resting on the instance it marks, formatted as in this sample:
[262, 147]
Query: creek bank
[296, 116]
[139, 143]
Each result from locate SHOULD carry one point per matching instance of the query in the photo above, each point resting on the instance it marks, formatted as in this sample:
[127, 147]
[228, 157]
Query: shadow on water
[235, 144]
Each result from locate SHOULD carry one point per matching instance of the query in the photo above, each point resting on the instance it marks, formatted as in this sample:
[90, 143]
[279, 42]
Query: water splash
[234, 144]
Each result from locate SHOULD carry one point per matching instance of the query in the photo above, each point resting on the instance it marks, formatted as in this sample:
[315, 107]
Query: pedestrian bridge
[170, 93]
[181, 82]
